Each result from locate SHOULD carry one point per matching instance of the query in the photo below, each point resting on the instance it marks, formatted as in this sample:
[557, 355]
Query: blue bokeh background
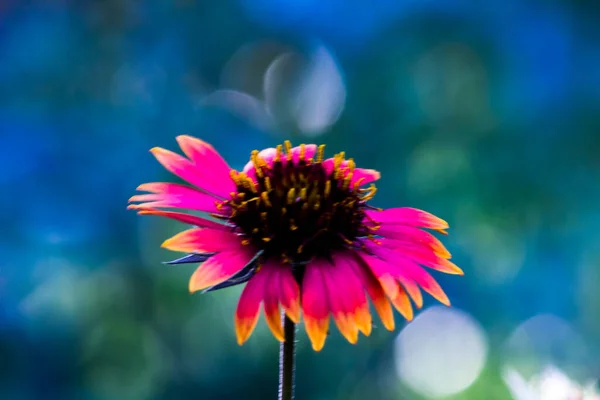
[486, 114]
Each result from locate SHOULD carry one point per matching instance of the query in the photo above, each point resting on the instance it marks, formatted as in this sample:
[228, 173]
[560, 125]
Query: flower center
[296, 207]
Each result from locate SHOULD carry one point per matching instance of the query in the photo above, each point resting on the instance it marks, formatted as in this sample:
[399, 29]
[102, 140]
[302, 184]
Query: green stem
[287, 354]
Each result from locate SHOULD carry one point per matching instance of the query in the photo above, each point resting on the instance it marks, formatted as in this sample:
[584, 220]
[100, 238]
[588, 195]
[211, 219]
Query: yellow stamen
[358, 183]
[327, 188]
[291, 196]
[288, 148]
[265, 198]
[278, 153]
[303, 193]
[320, 153]
[302, 151]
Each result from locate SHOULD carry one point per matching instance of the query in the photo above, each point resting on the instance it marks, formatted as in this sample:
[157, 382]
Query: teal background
[486, 114]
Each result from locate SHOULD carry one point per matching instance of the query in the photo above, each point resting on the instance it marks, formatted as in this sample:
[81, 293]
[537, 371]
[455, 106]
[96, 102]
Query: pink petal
[408, 216]
[384, 273]
[376, 293]
[219, 268]
[267, 155]
[364, 176]
[354, 293]
[246, 314]
[173, 195]
[203, 240]
[384, 270]
[289, 294]
[271, 301]
[412, 271]
[315, 304]
[338, 305]
[309, 152]
[186, 219]
[190, 172]
[410, 234]
[427, 258]
[205, 157]
[406, 244]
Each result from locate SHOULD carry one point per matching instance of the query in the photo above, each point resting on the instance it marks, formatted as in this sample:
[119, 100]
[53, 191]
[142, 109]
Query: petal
[431, 260]
[315, 305]
[376, 293]
[383, 270]
[188, 171]
[420, 247]
[362, 176]
[408, 216]
[205, 157]
[173, 195]
[219, 268]
[412, 235]
[410, 270]
[271, 301]
[267, 155]
[402, 303]
[186, 219]
[303, 152]
[203, 240]
[384, 274]
[412, 288]
[246, 314]
[337, 303]
[358, 306]
[289, 294]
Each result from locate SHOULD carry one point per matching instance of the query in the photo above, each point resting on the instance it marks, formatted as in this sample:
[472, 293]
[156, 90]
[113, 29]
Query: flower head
[297, 227]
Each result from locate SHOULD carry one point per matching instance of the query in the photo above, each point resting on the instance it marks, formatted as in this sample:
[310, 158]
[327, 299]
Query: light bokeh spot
[440, 353]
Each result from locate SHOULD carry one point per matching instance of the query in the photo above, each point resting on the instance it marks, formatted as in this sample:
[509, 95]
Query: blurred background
[486, 114]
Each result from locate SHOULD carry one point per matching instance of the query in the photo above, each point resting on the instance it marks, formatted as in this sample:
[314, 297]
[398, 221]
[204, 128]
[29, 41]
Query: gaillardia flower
[297, 227]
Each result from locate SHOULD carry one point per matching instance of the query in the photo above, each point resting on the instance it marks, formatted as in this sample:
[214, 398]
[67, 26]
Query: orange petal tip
[156, 150]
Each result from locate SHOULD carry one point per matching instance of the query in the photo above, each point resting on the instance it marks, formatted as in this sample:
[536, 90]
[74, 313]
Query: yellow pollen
[268, 183]
[370, 193]
[265, 198]
[291, 196]
[302, 151]
[278, 153]
[303, 193]
[288, 148]
[256, 161]
[347, 180]
[321, 153]
[327, 188]
[336, 164]
[234, 176]
[351, 166]
[358, 183]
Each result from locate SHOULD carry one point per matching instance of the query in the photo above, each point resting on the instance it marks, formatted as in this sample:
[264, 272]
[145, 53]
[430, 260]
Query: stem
[287, 353]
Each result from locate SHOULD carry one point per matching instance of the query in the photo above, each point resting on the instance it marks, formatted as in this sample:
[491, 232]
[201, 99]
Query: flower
[550, 384]
[299, 230]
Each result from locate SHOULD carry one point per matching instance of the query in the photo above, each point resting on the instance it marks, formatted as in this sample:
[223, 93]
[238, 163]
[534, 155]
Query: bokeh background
[486, 114]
